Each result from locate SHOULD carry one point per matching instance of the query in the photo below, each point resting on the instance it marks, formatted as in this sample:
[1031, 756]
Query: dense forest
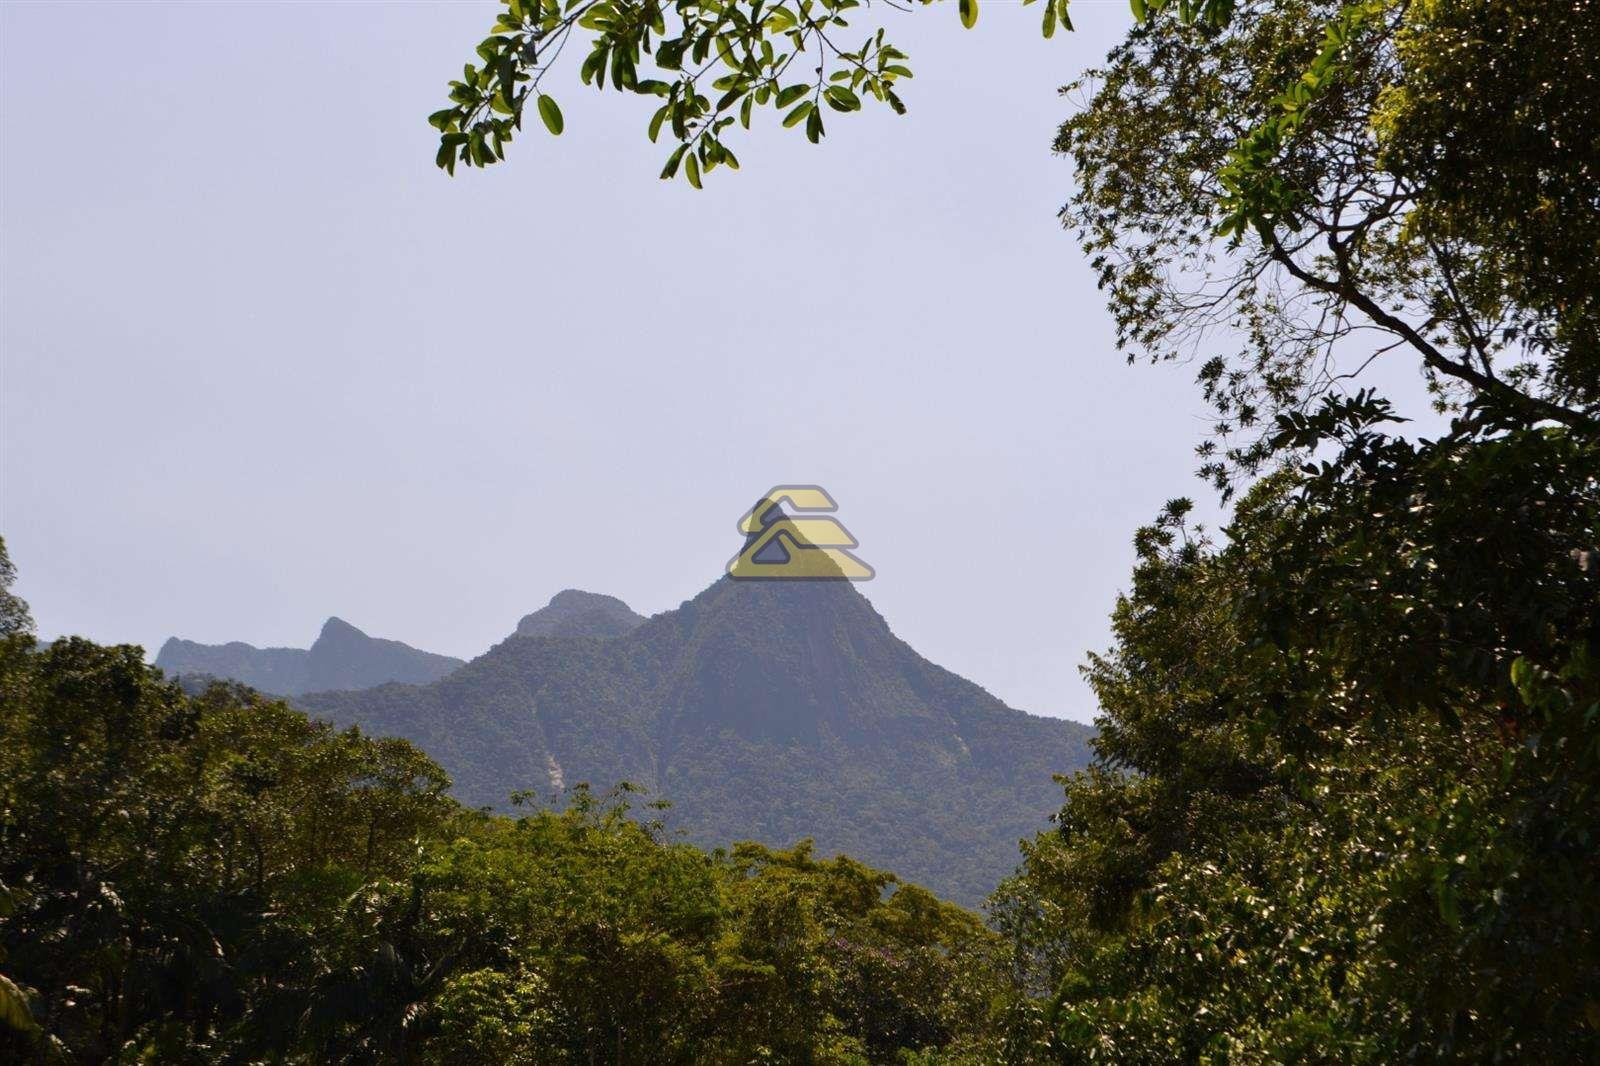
[1346, 801]
[215, 878]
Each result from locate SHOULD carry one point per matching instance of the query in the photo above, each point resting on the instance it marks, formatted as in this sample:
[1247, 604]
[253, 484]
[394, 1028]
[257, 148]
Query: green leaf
[691, 170]
[1140, 12]
[594, 65]
[622, 72]
[668, 171]
[551, 113]
[791, 94]
[14, 1012]
[842, 99]
[794, 117]
[969, 13]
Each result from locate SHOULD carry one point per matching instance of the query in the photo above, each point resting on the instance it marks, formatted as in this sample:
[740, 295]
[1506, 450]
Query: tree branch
[1537, 408]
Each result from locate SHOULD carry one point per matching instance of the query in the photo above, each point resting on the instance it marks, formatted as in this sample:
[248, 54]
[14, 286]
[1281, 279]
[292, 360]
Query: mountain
[574, 613]
[767, 710]
[342, 657]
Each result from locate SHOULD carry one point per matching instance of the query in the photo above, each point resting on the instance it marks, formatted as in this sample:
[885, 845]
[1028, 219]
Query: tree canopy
[1320, 185]
[1283, 190]
[1344, 807]
[1346, 803]
[704, 66]
[214, 878]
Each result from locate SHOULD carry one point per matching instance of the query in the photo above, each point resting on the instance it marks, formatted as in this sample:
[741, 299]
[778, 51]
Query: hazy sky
[262, 363]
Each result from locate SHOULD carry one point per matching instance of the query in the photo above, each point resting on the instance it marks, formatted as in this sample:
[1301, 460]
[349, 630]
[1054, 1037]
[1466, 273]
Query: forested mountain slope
[761, 710]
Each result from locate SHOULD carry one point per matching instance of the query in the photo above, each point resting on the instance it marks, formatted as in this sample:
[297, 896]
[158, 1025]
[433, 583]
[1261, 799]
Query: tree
[178, 869]
[214, 877]
[14, 616]
[1313, 184]
[798, 57]
[1346, 805]
[1319, 184]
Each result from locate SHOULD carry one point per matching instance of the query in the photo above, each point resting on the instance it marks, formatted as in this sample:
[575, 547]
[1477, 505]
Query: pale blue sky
[261, 363]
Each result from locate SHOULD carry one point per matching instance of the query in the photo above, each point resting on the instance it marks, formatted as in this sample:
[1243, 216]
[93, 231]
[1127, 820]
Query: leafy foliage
[215, 878]
[1346, 807]
[715, 62]
[175, 860]
[1318, 185]
[14, 614]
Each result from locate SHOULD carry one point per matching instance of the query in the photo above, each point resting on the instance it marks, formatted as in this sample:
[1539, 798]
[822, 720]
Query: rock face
[763, 710]
[342, 657]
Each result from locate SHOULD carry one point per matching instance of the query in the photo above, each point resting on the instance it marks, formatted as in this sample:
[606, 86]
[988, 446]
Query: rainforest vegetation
[1346, 801]
[215, 878]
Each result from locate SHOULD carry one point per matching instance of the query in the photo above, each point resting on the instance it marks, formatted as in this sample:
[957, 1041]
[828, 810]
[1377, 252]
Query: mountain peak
[579, 599]
[576, 613]
[766, 710]
[342, 657]
[338, 627]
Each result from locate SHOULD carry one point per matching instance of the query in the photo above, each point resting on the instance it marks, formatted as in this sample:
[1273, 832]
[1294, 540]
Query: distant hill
[342, 657]
[761, 710]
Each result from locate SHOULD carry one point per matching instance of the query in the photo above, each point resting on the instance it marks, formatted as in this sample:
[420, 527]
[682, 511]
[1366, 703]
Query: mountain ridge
[342, 656]
[767, 710]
